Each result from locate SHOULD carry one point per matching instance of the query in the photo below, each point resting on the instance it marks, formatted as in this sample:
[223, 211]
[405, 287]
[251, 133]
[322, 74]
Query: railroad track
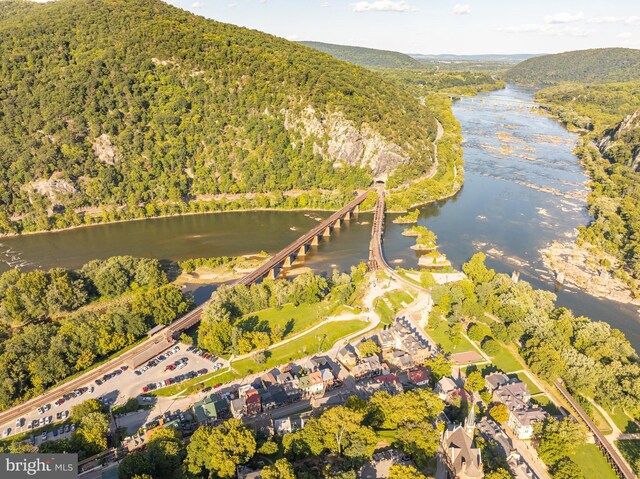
[185, 322]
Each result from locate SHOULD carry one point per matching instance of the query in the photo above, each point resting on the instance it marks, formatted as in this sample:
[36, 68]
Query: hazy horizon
[456, 27]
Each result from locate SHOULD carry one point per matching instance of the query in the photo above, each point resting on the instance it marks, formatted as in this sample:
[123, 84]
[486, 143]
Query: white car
[19, 422]
[40, 410]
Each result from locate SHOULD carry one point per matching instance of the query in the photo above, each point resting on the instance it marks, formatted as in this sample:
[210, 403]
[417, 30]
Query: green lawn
[210, 379]
[533, 389]
[631, 452]
[505, 360]
[592, 462]
[602, 424]
[384, 311]
[293, 319]
[623, 421]
[441, 336]
[318, 340]
[398, 297]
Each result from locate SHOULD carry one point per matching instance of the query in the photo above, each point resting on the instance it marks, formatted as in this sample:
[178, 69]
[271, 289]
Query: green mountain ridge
[106, 103]
[599, 65]
[366, 57]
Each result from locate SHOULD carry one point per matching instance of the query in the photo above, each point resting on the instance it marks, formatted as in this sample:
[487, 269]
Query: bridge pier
[272, 273]
[303, 250]
[337, 224]
[347, 216]
[288, 261]
[327, 231]
[315, 241]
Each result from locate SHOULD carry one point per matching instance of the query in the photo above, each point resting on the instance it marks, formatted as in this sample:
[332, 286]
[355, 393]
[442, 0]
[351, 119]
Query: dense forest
[585, 66]
[366, 57]
[424, 82]
[65, 321]
[607, 117]
[115, 105]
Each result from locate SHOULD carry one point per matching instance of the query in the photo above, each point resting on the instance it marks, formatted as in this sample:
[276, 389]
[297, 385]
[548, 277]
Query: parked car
[73, 427]
[20, 422]
[91, 389]
[40, 410]
[59, 416]
[99, 382]
[217, 386]
[6, 432]
[145, 389]
[66, 428]
[44, 436]
[55, 432]
[202, 371]
[59, 402]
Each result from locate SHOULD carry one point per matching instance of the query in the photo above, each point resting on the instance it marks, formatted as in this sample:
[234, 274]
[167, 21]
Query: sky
[438, 26]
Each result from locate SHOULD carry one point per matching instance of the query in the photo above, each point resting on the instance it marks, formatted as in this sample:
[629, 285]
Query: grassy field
[623, 421]
[533, 389]
[209, 380]
[631, 452]
[592, 463]
[441, 336]
[602, 424]
[505, 360]
[384, 311]
[293, 319]
[399, 299]
[320, 339]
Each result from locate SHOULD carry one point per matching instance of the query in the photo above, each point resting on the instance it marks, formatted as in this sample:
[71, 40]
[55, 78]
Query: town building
[419, 376]
[445, 387]
[462, 459]
[522, 415]
[287, 424]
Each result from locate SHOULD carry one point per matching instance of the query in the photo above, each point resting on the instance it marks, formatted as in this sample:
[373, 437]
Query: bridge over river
[161, 340]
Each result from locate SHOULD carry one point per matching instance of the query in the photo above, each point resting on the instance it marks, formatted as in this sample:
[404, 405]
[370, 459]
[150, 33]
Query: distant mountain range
[366, 57]
[513, 58]
[599, 65]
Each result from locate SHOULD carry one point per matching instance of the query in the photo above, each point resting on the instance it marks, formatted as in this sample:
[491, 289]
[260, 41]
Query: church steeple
[470, 421]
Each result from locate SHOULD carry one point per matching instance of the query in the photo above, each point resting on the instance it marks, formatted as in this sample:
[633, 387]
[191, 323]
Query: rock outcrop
[338, 140]
[622, 143]
[104, 150]
[55, 188]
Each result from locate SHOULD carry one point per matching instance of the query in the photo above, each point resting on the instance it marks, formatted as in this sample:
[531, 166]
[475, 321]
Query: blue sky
[438, 26]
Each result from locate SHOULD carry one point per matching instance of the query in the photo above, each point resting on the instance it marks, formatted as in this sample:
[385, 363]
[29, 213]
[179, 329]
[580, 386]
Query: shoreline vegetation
[604, 259]
[445, 183]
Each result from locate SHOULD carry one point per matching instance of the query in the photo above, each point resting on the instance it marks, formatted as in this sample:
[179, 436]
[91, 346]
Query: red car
[145, 389]
[217, 386]
[202, 371]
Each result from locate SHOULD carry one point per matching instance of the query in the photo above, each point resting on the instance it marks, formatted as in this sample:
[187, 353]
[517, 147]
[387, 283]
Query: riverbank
[586, 271]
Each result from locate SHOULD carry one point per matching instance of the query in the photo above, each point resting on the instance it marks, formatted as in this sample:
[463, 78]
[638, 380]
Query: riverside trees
[126, 296]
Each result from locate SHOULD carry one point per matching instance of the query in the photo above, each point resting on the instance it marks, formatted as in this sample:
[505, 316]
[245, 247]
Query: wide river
[523, 189]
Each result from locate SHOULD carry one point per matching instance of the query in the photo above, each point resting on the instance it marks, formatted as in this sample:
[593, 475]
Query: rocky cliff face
[622, 143]
[338, 140]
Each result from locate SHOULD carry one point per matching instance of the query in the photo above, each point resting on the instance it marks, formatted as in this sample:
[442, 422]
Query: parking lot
[115, 388]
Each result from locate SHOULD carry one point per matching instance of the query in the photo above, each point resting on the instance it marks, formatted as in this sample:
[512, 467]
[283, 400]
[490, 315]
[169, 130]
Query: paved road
[156, 341]
[118, 389]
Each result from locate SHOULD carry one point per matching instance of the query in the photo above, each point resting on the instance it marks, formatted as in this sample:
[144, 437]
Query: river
[523, 189]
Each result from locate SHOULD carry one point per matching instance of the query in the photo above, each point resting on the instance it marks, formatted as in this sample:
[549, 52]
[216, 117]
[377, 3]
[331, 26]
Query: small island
[409, 218]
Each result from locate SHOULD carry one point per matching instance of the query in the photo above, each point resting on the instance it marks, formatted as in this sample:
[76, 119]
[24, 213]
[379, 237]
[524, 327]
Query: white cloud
[632, 20]
[325, 4]
[381, 6]
[460, 9]
[624, 35]
[232, 5]
[197, 5]
[564, 17]
[548, 30]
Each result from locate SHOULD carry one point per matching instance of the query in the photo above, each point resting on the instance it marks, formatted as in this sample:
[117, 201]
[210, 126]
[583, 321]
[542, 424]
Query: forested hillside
[134, 103]
[585, 66]
[608, 117]
[366, 57]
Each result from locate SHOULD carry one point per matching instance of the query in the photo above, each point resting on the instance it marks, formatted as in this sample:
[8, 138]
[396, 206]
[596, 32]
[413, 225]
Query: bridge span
[613, 457]
[161, 340]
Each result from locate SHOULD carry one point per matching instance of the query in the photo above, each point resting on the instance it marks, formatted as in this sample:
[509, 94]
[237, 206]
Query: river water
[523, 189]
